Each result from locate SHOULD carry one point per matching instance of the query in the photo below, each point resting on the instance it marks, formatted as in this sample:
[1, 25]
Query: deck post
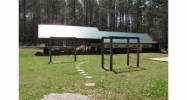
[111, 53]
[102, 52]
[127, 52]
[85, 45]
[138, 43]
[75, 57]
[50, 53]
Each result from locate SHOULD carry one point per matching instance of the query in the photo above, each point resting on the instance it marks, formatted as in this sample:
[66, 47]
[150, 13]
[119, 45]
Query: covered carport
[67, 32]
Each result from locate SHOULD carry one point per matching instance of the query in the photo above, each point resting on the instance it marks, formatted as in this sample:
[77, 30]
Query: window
[145, 45]
[116, 45]
[98, 45]
[127, 46]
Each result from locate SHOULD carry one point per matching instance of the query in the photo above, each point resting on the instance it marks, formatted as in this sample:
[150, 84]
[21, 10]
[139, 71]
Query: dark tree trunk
[24, 20]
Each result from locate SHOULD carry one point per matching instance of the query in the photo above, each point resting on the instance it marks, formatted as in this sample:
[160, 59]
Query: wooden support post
[75, 58]
[102, 52]
[138, 47]
[50, 52]
[127, 52]
[111, 54]
[45, 43]
[85, 45]
[66, 43]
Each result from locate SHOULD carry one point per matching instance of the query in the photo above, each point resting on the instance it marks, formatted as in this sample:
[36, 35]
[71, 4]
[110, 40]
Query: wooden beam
[111, 49]
[62, 37]
[116, 37]
[75, 57]
[102, 52]
[111, 53]
[127, 52]
[138, 47]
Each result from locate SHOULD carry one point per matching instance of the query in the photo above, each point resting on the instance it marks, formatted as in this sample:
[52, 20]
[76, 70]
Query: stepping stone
[80, 70]
[89, 84]
[78, 67]
[85, 74]
[88, 76]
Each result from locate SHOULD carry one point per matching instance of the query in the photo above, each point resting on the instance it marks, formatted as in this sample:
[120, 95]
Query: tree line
[136, 16]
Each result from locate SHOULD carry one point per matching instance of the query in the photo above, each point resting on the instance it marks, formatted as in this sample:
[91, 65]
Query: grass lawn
[38, 78]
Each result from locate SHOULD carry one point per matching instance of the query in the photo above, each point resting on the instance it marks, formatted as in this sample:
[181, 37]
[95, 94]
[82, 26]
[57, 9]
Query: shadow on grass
[130, 69]
[30, 47]
[105, 69]
[67, 62]
[58, 54]
[60, 62]
[124, 70]
[164, 52]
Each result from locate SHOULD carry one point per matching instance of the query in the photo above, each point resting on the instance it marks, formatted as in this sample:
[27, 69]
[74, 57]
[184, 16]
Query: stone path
[89, 84]
[85, 74]
[70, 96]
[88, 76]
[82, 72]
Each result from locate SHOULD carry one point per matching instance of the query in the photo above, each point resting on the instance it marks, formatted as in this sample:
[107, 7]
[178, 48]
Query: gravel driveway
[65, 96]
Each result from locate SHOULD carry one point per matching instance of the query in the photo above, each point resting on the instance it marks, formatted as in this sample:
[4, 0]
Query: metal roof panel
[47, 31]
[144, 38]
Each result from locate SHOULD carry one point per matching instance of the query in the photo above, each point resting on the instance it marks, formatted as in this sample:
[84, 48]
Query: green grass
[38, 78]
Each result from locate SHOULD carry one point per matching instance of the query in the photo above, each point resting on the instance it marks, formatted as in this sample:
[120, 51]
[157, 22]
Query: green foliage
[141, 16]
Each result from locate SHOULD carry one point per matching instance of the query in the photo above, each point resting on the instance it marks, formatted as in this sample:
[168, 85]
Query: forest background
[136, 16]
